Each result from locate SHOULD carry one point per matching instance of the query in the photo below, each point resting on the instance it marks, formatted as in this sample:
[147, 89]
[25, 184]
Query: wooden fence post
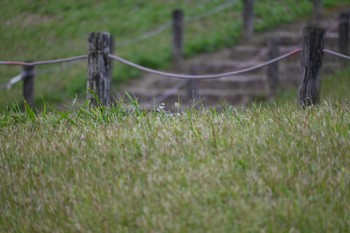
[317, 11]
[273, 69]
[343, 31]
[99, 68]
[311, 63]
[192, 85]
[28, 84]
[248, 19]
[177, 38]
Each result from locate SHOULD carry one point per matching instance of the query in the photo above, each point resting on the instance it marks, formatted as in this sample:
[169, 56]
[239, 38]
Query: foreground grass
[42, 30]
[274, 169]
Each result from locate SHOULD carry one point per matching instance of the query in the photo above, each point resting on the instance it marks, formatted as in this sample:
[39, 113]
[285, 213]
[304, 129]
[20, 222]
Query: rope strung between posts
[60, 67]
[37, 63]
[214, 11]
[168, 24]
[166, 74]
[145, 36]
[12, 81]
[336, 54]
[20, 76]
[210, 76]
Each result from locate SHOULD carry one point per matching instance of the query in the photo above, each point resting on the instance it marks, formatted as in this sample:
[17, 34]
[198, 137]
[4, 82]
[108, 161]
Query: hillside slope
[245, 88]
[39, 30]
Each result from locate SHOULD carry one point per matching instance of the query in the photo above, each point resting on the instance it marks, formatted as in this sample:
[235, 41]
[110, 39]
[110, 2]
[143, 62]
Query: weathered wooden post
[272, 69]
[177, 38]
[192, 85]
[343, 30]
[99, 68]
[317, 11]
[311, 63]
[248, 19]
[28, 75]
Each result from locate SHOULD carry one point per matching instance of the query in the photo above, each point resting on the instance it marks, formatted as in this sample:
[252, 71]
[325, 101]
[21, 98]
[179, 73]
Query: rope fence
[41, 71]
[336, 54]
[179, 85]
[12, 81]
[167, 74]
[209, 76]
[156, 72]
[161, 73]
[145, 36]
[141, 38]
[212, 12]
[100, 58]
[47, 62]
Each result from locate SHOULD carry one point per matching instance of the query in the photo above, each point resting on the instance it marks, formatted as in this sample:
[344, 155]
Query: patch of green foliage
[39, 30]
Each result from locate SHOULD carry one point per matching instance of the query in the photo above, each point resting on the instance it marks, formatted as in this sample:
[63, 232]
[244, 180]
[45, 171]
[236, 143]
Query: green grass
[274, 168]
[53, 29]
[265, 168]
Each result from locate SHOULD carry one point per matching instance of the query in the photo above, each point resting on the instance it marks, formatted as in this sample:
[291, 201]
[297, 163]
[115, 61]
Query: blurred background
[142, 32]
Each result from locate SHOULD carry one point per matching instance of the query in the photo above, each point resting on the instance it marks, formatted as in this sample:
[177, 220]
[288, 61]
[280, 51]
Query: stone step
[331, 41]
[204, 90]
[251, 82]
[289, 38]
[233, 96]
[247, 84]
[328, 60]
[286, 38]
[289, 74]
[294, 68]
[219, 67]
[247, 52]
[240, 89]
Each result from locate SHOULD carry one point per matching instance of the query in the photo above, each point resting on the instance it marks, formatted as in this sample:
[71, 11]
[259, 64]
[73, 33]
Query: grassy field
[271, 168]
[38, 30]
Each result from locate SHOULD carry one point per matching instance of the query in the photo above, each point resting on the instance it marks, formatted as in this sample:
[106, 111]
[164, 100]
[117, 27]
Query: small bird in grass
[161, 109]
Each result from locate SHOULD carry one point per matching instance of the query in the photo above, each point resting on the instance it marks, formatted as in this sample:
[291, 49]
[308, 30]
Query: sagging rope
[160, 73]
[209, 76]
[47, 62]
